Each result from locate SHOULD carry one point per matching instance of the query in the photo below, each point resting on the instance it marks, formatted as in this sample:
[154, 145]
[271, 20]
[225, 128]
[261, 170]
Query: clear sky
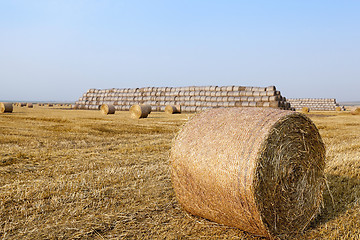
[57, 49]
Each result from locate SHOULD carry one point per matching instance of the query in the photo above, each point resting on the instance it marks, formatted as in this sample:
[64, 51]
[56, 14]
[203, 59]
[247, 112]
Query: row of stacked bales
[314, 104]
[191, 99]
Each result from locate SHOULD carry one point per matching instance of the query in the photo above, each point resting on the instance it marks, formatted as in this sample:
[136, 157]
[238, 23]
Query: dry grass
[67, 174]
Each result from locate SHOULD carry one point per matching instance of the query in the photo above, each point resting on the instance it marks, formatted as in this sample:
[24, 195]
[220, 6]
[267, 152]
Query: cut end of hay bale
[338, 109]
[140, 111]
[172, 109]
[290, 175]
[264, 176]
[107, 109]
[6, 107]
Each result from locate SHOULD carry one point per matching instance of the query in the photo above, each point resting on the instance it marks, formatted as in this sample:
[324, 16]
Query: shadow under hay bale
[107, 109]
[140, 111]
[257, 169]
[6, 107]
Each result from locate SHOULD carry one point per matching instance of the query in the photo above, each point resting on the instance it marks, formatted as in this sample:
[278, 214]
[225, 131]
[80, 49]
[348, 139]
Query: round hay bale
[305, 110]
[264, 176]
[29, 105]
[6, 107]
[338, 109]
[172, 109]
[270, 88]
[107, 109]
[140, 111]
[356, 111]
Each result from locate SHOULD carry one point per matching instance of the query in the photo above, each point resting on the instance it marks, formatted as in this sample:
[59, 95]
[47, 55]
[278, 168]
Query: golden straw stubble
[140, 111]
[171, 109]
[107, 109]
[257, 169]
[6, 107]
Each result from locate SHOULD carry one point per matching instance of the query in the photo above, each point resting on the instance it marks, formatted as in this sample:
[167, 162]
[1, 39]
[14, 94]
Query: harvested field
[69, 174]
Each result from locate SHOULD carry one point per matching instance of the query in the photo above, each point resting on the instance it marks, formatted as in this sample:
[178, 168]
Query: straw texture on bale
[6, 107]
[107, 109]
[171, 109]
[257, 169]
[140, 111]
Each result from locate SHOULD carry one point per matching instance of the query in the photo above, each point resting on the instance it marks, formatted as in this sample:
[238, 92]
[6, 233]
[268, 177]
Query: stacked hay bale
[314, 104]
[191, 99]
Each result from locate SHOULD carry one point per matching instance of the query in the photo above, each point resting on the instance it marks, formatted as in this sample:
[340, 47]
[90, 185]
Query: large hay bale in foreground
[6, 107]
[257, 169]
[140, 111]
[107, 109]
[171, 109]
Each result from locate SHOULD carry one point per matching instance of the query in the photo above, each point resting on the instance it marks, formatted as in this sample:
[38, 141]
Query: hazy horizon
[57, 50]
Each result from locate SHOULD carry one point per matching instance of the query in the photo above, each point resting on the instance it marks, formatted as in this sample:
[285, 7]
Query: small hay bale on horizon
[29, 105]
[107, 109]
[6, 107]
[305, 110]
[173, 109]
[257, 169]
[140, 111]
[356, 111]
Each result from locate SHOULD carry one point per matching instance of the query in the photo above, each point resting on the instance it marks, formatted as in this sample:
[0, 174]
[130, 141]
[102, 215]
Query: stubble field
[77, 174]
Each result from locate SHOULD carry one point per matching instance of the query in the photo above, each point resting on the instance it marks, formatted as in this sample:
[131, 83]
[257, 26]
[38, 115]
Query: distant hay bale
[140, 111]
[172, 109]
[6, 107]
[107, 109]
[305, 110]
[29, 105]
[356, 111]
[264, 176]
[338, 109]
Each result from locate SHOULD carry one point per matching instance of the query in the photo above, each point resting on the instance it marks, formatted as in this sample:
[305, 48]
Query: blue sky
[56, 50]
